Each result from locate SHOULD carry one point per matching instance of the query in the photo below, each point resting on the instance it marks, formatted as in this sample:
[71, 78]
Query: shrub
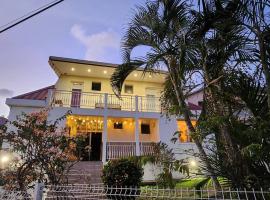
[122, 173]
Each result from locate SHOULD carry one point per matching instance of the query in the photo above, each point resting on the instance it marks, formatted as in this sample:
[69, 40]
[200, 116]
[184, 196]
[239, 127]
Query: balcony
[90, 100]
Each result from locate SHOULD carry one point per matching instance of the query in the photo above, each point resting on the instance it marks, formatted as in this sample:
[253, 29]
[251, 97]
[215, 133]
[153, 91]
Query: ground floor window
[183, 131]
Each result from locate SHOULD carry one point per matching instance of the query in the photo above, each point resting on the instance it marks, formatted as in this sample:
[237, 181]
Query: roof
[194, 107]
[196, 91]
[3, 121]
[89, 62]
[40, 94]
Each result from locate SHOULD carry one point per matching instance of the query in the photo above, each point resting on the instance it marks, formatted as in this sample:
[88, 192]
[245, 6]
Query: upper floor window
[129, 89]
[96, 86]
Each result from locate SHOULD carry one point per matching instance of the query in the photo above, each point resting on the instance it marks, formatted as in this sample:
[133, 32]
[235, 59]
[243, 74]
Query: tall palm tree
[163, 26]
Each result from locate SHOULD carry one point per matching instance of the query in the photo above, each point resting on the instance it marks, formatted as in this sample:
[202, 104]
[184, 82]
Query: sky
[80, 29]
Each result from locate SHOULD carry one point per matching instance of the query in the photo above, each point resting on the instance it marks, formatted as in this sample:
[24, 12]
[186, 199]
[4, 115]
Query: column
[49, 97]
[137, 129]
[105, 129]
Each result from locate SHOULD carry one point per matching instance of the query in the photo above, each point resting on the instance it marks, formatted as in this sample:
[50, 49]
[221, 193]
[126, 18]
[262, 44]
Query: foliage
[40, 151]
[122, 173]
[226, 43]
[164, 159]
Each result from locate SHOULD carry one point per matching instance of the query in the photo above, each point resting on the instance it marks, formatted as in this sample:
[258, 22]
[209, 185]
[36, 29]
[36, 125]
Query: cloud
[98, 45]
[5, 92]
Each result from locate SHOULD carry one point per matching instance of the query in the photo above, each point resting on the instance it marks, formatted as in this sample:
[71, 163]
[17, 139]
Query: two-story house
[114, 127]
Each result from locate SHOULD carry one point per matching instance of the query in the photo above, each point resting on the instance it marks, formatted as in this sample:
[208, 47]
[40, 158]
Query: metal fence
[105, 192]
[98, 191]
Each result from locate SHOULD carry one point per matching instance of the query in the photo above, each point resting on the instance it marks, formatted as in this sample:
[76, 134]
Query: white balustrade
[117, 150]
[60, 98]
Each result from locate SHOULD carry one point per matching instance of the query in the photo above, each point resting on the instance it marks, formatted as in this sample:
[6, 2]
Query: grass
[189, 183]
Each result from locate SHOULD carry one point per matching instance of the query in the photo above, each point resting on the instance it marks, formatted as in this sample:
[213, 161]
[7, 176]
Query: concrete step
[85, 172]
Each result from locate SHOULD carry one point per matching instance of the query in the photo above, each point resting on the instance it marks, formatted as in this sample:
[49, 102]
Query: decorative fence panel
[105, 192]
[98, 191]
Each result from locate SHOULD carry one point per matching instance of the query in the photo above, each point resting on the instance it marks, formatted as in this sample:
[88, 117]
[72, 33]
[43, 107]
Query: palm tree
[163, 26]
[256, 18]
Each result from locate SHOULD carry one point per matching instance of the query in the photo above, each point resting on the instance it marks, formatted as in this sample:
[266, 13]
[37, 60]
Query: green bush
[122, 173]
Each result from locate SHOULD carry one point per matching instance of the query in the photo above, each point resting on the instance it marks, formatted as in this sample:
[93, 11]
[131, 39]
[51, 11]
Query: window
[118, 125]
[200, 103]
[145, 128]
[129, 89]
[96, 86]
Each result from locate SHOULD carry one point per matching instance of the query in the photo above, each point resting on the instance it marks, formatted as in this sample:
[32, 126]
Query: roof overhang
[75, 67]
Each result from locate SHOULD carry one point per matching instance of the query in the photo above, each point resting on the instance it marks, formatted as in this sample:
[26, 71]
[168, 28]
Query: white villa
[114, 127]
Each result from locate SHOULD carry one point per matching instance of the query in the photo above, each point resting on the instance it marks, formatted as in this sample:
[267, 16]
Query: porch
[125, 137]
[91, 100]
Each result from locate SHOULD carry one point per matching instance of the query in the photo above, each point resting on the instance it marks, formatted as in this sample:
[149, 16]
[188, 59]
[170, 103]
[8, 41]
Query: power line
[29, 15]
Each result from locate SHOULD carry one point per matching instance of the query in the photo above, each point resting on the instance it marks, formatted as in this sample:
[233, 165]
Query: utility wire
[29, 15]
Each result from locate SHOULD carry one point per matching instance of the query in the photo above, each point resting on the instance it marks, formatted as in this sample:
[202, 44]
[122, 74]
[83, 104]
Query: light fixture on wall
[72, 69]
[105, 72]
[135, 74]
[89, 70]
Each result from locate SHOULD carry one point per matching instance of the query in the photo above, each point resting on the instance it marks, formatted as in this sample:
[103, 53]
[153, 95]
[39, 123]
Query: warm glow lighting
[150, 76]
[72, 69]
[89, 70]
[105, 72]
[4, 158]
[193, 163]
[135, 75]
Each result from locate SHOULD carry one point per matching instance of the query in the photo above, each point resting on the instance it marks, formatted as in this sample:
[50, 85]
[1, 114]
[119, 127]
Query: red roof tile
[194, 107]
[40, 94]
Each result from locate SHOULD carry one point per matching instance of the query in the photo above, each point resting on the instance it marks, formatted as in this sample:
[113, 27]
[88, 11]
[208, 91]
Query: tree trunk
[202, 153]
[266, 69]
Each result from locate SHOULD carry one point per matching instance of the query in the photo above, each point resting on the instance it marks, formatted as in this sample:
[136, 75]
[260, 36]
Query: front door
[76, 98]
[96, 139]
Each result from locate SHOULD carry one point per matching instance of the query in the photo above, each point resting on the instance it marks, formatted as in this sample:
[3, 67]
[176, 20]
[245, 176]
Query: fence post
[38, 192]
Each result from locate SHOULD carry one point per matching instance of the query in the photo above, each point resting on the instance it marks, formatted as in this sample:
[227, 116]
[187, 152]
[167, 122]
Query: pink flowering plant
[44, 151]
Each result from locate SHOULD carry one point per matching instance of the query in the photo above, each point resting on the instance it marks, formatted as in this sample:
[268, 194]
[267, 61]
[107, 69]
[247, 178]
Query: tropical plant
[40, 151]
[122, 173]
[163, 27]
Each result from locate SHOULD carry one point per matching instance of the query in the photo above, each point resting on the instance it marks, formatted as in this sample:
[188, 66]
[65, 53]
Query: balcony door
[151, 98]
[76, 94]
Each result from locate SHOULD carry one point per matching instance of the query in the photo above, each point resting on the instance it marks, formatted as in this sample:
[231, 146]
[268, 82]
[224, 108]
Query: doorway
[90, 148]
[96, 141]
[151, 94]
[76, 98]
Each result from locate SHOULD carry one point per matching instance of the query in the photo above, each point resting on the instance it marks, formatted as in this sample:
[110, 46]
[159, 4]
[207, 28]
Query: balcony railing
[98, 100]
[116, 150]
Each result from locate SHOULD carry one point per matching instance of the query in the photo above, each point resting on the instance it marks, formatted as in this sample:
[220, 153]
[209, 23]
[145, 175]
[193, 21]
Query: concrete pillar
[137, 129]
[49, 98]
[105, 129]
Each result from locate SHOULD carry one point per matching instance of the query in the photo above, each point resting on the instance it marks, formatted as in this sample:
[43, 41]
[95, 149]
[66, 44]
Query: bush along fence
[83, 191]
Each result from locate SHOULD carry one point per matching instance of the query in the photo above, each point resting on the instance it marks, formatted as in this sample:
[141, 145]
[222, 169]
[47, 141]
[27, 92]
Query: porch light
[105, 72]
[72, 69]
[193, 163]
[5, 159]
[89, 70]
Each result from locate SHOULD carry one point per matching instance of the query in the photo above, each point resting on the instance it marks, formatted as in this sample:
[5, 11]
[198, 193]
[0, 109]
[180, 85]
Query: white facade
[138, 109]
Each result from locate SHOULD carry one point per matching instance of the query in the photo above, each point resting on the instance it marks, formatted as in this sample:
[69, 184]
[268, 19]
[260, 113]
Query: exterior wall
[195, 98]
[127, 134]
[139, 87]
